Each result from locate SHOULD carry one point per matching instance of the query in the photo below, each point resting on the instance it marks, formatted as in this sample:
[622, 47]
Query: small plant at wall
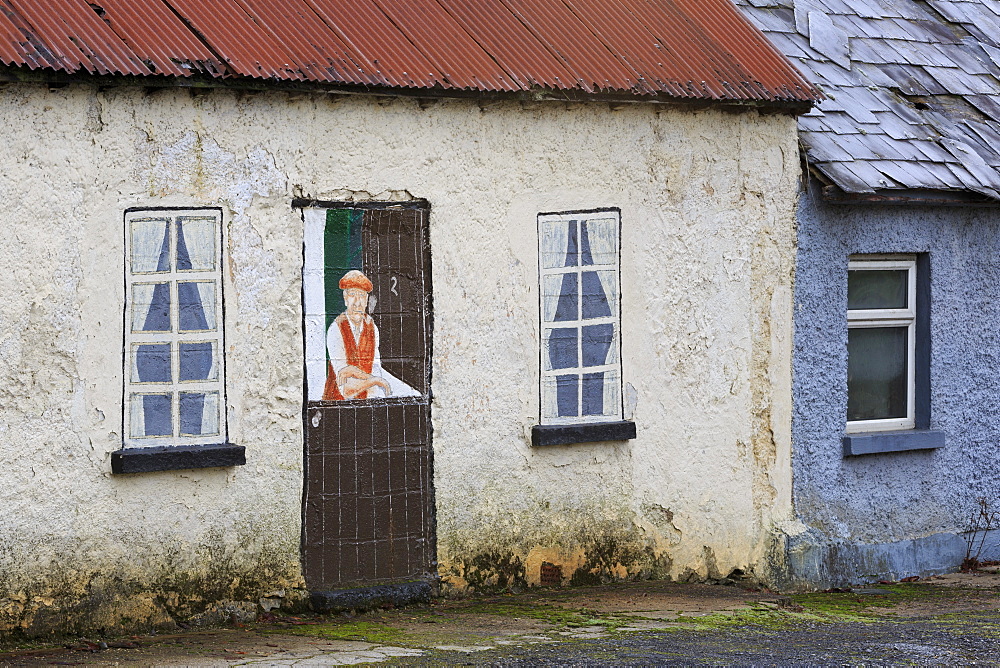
[985, 518]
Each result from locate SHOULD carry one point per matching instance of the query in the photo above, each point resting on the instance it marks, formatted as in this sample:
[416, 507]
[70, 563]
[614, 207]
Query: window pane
[569, 296]
[601, 393]
[196, 244]
[150, 244]
[561, 348]
[876, 373]
[198, 361]
[599, 293]
[567, 395]
[876, 288]
[597, 343]
[151, 307]
[151, 363]
[557, 246]
[197, 305]
[150, 415]
[199, 413]
[551, 289]
[599, 241]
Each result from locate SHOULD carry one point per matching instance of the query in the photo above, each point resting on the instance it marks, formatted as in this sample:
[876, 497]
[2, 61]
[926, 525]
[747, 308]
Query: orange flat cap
[355, 279]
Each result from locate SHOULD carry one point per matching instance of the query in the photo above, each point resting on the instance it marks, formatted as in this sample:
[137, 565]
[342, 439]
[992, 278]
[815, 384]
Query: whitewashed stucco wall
[707, 201]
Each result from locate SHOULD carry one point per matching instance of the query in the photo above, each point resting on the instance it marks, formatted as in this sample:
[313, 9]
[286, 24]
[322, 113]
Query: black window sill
[562, 434]
[175, 458]
[875, 442]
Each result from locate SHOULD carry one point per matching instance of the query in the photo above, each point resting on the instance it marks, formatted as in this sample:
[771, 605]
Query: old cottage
[897, 330]
[309, 295]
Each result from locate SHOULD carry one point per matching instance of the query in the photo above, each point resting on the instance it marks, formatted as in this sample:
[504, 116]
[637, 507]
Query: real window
[174, 361]
[881, 343]
[580, 319]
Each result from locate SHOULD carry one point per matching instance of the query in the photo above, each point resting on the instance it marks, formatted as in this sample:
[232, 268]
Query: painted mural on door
[368, 502]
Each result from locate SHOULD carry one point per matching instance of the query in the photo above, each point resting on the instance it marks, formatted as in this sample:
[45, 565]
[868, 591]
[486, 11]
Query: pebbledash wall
[890, 515]
[707, 206]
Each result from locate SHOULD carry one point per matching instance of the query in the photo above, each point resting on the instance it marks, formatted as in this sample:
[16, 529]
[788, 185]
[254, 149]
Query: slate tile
[933, 151]
[866, 8]
[943, 174]
[870, 74]
[957, 82]
[988, 132]
[896, 127]
[975, 157]
[835, 123]
[856, 146]
[779, 20]
[840, 173]
[988, 104]
[867, 171]
[970, 57]
[825, 147]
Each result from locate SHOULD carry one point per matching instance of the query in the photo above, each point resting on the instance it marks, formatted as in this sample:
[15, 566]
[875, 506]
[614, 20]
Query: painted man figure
[355, 369]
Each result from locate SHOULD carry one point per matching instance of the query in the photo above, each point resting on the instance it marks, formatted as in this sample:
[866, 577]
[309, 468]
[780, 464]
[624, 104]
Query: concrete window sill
[892, 441]
[563, 434]
[146, 460]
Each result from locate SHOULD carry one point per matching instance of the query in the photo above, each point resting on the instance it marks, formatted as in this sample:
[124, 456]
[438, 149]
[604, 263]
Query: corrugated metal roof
[913, 90]
[694, 49]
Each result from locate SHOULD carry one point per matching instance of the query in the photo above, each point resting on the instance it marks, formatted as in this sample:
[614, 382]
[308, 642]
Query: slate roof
[701, 50]
[913, 89]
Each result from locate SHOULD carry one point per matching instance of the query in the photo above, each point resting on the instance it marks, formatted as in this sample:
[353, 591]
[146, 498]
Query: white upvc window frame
[175, 336]
[579, 323]
[900, 317]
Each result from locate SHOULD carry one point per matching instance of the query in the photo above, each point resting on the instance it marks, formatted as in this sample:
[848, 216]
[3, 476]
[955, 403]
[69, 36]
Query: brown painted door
[368, 503]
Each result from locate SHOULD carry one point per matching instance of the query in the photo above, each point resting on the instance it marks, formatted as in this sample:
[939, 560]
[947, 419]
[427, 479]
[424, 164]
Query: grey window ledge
[562, 434]
[176, 458]
[892, 441]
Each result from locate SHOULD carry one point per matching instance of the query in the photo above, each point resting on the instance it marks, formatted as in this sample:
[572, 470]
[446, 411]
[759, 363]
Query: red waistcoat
[360, 354]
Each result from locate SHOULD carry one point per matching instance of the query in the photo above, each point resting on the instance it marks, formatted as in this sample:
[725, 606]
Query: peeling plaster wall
[895, 514]
[707, 202]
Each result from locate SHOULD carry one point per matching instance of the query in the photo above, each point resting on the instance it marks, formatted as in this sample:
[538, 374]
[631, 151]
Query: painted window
[580, 321]
[881, 343]
[174, 370]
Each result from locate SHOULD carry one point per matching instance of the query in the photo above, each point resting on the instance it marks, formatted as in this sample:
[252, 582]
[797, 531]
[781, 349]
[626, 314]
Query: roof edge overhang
[53, 78]
[908, 197]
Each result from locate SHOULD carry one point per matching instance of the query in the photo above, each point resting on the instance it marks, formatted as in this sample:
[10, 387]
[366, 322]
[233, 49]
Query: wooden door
[368, 502]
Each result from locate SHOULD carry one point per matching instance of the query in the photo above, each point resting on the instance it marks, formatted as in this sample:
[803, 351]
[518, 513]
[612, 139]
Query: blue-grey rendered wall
[886, 516]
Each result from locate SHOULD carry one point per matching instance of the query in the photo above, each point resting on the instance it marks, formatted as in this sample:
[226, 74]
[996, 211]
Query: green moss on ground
[371, 632]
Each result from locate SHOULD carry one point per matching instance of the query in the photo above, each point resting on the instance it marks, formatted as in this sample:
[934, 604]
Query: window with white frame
[580, 321]
[174, 370]
[881, 343]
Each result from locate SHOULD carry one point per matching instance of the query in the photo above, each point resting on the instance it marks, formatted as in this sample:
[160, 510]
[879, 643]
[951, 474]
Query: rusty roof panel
[702, 49]
[593, 65]
[19, 45]
[371, 34]
[443, 41]
[244, 46]
[319, 51]
[157, 36]
[514, 47]
[78, 37]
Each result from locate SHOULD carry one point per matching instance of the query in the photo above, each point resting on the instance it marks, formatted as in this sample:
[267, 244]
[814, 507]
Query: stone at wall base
[370, 598]
[813, 561]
